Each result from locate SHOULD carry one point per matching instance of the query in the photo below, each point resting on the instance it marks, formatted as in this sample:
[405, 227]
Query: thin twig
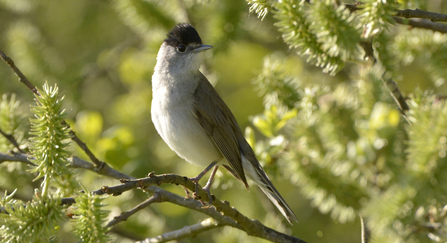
[414, 17]
[389, 83]
[417, 13]
[397, 95]
[17, 71]
[98, 163]
[422, 23]
[125, 215]
[16, 157]
[12, 140]
[194, 205]
[105, 170]
[187, 231]
[75, 162]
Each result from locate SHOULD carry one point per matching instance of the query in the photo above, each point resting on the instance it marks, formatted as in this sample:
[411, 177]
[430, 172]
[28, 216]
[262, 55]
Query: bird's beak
[203, 48]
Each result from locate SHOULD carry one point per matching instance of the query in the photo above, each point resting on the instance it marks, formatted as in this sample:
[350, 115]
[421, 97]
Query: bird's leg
[209, 183]
[201, 174]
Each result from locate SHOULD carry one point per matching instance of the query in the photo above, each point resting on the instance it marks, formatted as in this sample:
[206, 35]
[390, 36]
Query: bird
[195, 122]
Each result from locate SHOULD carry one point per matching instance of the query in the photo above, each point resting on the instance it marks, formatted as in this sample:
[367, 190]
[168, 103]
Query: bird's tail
[255, 172]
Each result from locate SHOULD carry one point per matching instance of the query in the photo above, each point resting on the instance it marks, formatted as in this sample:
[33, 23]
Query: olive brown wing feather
[219, 123]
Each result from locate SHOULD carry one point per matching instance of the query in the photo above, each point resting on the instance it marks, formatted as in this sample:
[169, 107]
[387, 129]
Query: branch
[417, 13]
[75, 162]
[252, 227]
[105, 170]
[12, 140]
[124, 216]
[422, 23]
[426, 19]
[187, 231]
[397, 95]
[194, 205]
[17, 71]
[16, 157]
[389, 83]
[221, 212]
[255, 229]
[98, 163]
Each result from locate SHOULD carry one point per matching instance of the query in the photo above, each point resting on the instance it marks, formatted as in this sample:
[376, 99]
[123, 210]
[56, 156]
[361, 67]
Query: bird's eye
[181, 48]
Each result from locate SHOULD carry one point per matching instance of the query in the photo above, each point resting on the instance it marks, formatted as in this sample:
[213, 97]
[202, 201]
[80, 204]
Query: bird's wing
[219, 123]
[221, 126]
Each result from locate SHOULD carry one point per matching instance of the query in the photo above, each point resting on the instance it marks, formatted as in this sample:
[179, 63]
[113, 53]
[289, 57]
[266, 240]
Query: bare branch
[389, 83]
[187, 231]
[75, 162]
[17, 71]
[194, 205]
[105, 170]
[425, 19]
[407, 13]
[422, 23]
[17, 157]
[12, 140]
[397, 95]
[98, 163]
[417, 13]
[221, 212]
[124, 216]
[252, 227]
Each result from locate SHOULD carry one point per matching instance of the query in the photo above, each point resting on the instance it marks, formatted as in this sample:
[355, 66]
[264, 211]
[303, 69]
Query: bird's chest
[172, 115]
[171, 110]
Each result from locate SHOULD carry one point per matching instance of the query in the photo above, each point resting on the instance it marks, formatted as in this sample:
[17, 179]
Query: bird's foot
[195, 180]
[207, 187]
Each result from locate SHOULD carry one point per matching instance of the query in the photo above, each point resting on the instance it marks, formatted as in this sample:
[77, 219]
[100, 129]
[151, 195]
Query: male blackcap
[195, 122]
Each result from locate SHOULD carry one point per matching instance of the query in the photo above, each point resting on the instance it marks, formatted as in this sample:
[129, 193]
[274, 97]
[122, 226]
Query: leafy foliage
[260, 7]
[336, 28]
[298, 32]
[89, 218]
[33, 221]
[377, 16]
[274, 87]
[370, 162]
[338, 143]
[50, 137]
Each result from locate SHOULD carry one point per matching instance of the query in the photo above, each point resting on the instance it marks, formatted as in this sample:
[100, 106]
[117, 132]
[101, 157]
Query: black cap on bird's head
[183, 34]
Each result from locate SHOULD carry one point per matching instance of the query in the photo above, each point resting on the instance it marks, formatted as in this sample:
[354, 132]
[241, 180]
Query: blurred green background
[101, 55]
